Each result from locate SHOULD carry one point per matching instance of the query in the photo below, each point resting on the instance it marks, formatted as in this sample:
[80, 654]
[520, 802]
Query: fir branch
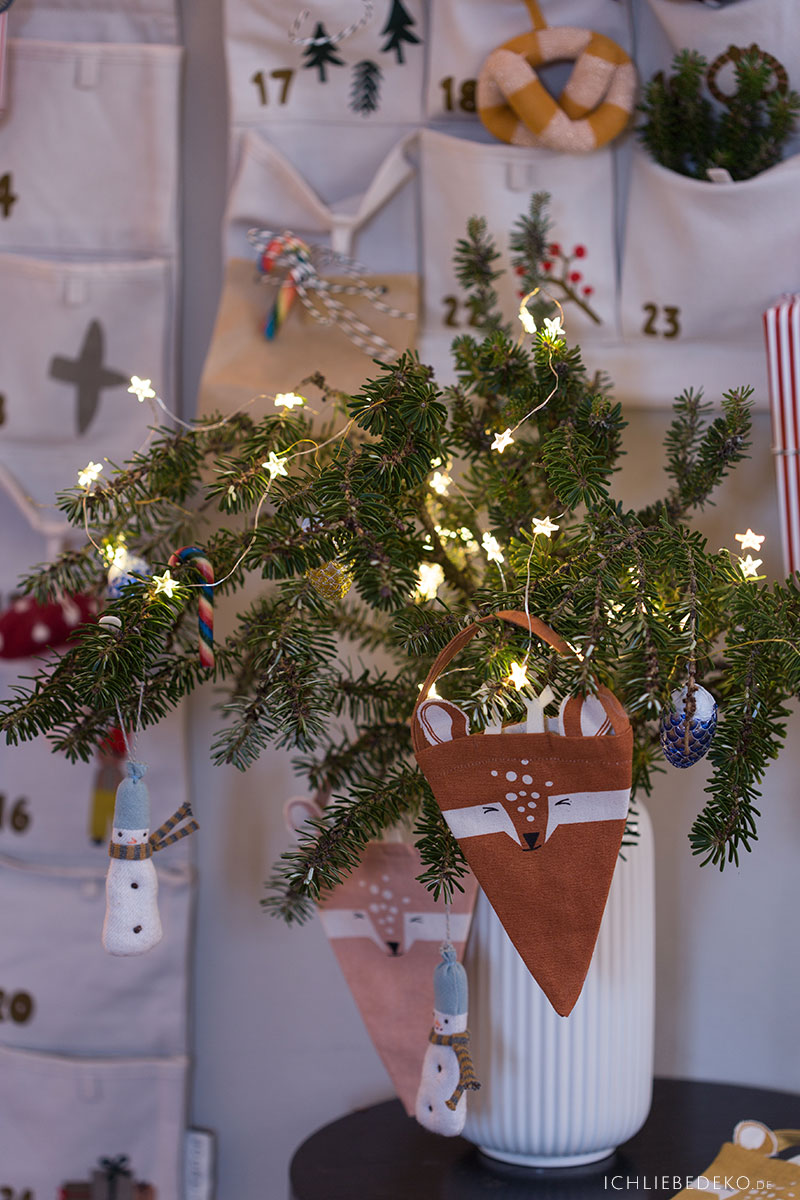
[329, 848]
[474, 259]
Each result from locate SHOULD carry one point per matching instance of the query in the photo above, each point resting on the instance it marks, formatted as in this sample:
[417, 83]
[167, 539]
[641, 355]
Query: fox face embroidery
[381, 902]
[391, 926]
[385, 929]
[520, 800]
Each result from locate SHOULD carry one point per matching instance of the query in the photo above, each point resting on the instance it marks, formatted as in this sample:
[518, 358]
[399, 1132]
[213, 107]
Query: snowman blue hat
[132, 804]
[450, 984]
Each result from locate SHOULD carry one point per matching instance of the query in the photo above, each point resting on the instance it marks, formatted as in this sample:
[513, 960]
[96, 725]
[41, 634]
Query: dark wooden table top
[381, 1154]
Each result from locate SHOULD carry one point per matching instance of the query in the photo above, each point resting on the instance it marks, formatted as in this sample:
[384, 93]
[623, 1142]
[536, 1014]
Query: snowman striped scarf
[159, 838]
[459, 1043]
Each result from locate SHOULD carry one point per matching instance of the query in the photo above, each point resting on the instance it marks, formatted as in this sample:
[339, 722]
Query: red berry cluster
[555, 251]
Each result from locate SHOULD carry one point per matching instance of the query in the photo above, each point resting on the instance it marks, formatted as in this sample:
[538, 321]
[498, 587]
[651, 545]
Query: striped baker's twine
[305, 279]
[336, 38]
[371, 294]
[356, 330]
[304, 271]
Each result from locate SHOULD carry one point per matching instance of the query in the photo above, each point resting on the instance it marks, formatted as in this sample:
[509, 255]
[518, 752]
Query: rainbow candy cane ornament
[205, 613]
[285, 251]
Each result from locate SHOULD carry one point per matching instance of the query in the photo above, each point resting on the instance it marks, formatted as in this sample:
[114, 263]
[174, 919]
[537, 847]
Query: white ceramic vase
[563, 1091]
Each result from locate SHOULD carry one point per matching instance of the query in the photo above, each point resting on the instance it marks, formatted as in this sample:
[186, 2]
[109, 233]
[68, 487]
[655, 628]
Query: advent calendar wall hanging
[539, 816]
[89, 243]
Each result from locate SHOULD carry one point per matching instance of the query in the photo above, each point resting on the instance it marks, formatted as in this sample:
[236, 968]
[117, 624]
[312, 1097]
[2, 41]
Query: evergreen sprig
[637, 593]
[686, 132]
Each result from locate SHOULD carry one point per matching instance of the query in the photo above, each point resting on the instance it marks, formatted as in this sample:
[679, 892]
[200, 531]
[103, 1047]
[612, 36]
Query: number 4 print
[398, 30]
[8, 198]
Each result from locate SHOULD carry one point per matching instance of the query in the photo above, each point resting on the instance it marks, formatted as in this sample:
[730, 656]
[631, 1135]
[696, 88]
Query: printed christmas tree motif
[543, 263]
[365, 90]
[398, 29]
[321, 51]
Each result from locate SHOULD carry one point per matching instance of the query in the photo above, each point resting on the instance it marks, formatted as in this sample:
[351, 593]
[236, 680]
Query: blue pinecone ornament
[119, 573]
[702, 727]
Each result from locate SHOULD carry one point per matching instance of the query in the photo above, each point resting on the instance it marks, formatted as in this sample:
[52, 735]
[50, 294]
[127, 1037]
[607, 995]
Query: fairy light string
[275, 463]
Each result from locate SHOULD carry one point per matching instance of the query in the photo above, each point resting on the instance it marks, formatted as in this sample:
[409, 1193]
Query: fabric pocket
[80, 330]
[464, 33]
[461, 179]
[62, 993]
[370, 214]
[702, 261]
[90, 148]
[111, 21]
[60, 1115]
[666, 26]
[373, 76]
[241, 358]
[59, 813]
[773, 24]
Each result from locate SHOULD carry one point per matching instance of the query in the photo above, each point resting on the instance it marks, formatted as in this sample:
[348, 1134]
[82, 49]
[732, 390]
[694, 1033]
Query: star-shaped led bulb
[275, 465]
[431, 577]
[545, 527]
[288, 400]
[165, 583]
[492, 548]
[527, 321]
[501, 440]
[750, 540]
[518, 676]
[749, 566]
[553, 328]
[141, 389]
[89, 474]
[440, 482]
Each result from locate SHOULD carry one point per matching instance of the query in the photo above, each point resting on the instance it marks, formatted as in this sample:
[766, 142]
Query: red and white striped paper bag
[782, 332]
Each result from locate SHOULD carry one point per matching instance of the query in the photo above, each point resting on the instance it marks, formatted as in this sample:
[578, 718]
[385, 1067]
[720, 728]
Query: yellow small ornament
[332, 580]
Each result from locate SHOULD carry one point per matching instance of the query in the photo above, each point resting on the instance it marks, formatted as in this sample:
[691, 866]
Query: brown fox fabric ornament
[539, 816]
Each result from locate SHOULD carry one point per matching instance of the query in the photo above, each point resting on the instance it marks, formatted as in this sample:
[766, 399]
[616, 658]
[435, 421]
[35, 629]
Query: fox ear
[441, 721]
[298, 810]
[752, 1135]
[584, 716]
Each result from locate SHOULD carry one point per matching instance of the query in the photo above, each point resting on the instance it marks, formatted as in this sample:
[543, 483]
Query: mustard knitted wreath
[594, 107]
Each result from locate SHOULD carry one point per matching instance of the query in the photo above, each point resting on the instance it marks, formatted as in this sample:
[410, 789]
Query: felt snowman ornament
[447, 1072]
[132, 923]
